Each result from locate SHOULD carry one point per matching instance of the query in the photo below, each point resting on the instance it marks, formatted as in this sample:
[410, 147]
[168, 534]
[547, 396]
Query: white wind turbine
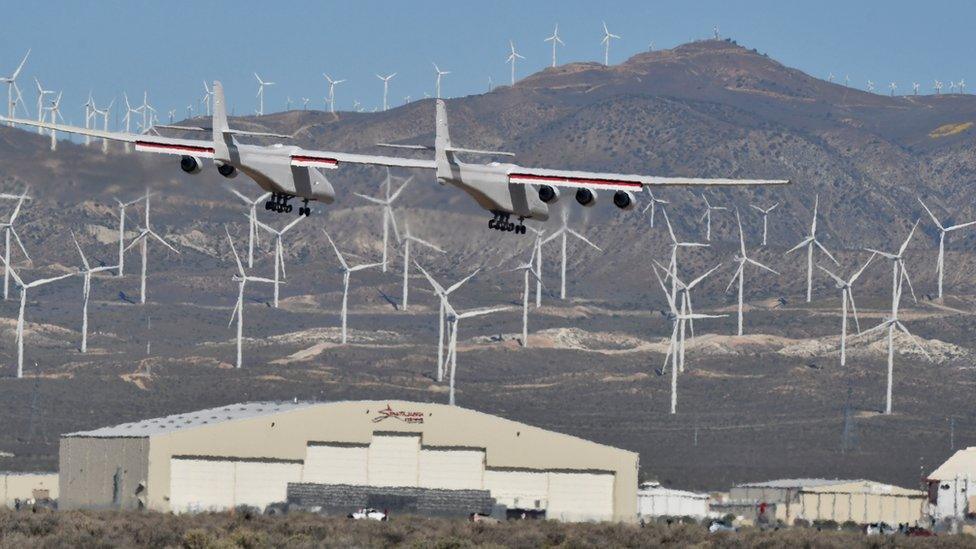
[938, 87]
[147, 112]
[8, 231]
[891, 325]
[555, 41]
[437, 85]
[261, 85]
[891, 88]
[305, 101]
[898, 270]
[847, 80]
[388, 218]
[811, 242]
[652, 205]
[915, 87]
[512, 57]
[765, 216]
[11, 82]
[23, 306]
[55, 110]
[454, 319]
[870, 86]
[830, 78]
[847, 297]
[564, 232]
[242, 278]
[89, 116]
[207, 99]
[607, 37]
[145, 233]
[346, 271]
[742, 259]
[127, 119]
[41, 92]
[527, 269]
[122, 207]
[442, 294]
[707, 217]
[407, 239]
[537, 257]
[675, 244]
[279, 253]
[87, 273]
[962, 85]
[684, 293]
[252, 221]
[676, 348]
[386, 87]
[940, 265]
[332, 84]
[96, 112]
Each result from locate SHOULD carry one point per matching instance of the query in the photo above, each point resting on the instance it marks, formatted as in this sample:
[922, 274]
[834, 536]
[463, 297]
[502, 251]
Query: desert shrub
[850, 526]
[825, 524]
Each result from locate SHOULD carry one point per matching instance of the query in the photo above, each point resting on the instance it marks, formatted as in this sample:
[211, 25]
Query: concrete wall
[25, 486]
[285, 435]
[342, 499]
[103, 473]
[862, 508]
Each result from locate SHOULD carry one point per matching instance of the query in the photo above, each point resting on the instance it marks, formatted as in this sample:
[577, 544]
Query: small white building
[654, 500]
[952, 487]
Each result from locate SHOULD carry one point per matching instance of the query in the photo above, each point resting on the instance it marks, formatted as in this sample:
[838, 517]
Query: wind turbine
[252, 220]
[279, 258]
[207, 97]
[512, 57]
[332, 85]
[305, 101]
[684, 292]
[765, 216]
[830, 78]
[810, 242]
[742, 259]
[55, 110]
[915, 87]
[707, 217]
[127, 119]
[388, 218]
[11, 82]
[442, 294]
[87, 273]
[287, 103]
[144, 234]
[676, 348]
[527, 269]
[261, 85]
[41, 92]
[898, 266]
[847, 297]
[104, 114]
[652, 205]
[407, 239]
[870, 86]
[938, 87]
[386, 87]
[242, 278]
[8, 231]
[23, 305]
[537, 257]
[891, 88]
[607, 37]
[122, 207]
[555, 41]
[564, 231]
[940, 265]
[891, 324]
[148, 112]
[675, 244]
[454, 319]
[346, 271]
[89, 116]
[962, 85]
[440, 73]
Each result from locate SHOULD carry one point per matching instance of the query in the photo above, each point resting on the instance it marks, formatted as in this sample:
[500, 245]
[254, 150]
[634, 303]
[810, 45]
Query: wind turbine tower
[261, 85]
[555, 41]
[437, 85]
[87, 272]
[742, 258]
[407, 240]
[145, 234]
[765, 217]
[563, 233]
[811, 242]
[346, 272]
[8, 232]
[847, 298]
[943, 230]
[607, 37]
[386, 88]
[512, 58]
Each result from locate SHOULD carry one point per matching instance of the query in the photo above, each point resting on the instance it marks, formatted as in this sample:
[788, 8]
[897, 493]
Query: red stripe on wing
[575, 180]
[173, 147]
[319, 159]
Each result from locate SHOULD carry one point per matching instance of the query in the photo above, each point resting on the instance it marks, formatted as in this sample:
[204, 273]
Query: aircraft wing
[620, 182]
[146, 143]
[331, 160]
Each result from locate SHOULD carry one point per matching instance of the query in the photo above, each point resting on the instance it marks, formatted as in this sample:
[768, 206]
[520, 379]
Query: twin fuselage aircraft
[288, 172]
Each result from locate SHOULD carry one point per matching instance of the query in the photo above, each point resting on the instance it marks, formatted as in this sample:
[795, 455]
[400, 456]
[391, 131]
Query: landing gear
[279, 204]
[500, 222]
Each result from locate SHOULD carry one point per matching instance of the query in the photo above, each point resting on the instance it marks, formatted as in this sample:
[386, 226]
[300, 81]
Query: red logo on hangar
[400, 415]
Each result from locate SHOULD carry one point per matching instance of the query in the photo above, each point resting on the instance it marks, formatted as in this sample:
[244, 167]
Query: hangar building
[265, 452]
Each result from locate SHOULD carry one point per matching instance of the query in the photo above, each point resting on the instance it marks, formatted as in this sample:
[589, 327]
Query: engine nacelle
[624, 200]
[548, 194]
[191, 164]
[227, 171]
[586, 197]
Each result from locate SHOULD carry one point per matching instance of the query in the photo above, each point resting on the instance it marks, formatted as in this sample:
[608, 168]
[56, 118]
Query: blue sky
[170, 47]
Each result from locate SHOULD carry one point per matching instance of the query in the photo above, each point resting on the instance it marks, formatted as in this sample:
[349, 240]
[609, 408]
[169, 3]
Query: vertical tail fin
[221, 138]
[442, 141]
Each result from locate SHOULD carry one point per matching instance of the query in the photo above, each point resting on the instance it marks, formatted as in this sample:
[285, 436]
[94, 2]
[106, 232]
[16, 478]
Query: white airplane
[288, 172]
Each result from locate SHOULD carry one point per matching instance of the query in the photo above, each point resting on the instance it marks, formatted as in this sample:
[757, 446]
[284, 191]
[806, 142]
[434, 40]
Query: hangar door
[335, 464]
[394, 460]
[580, 496]
[208, 484]
[452, 469]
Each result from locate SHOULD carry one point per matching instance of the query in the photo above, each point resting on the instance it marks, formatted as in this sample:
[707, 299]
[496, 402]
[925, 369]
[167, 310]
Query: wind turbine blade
[240, 195]
[135, 240]
[161, 241]
[882, 254]
[366, 266]
[960, 226]
[738, 273]
[438, 289]
[879, 327]
[237, 258]
[20, 244]
[339, 255]
[425, 243]
[836, 278]
[927, 210]
[262, 279]
[400, 190]
[696, 281]
[12, 272]
[915, 340]
[762, 266]
[84, 260]
[584, 239]
[802, 243]
[824, 250]
[393, 223]
[667, 222]
[904, 274]
[667, 294]
[43, 281]
[850, 298]
[861, 270]
[459, 283]
[904, 244]
[233, 314]
[292, 224]
[371, 199]
[482, 312]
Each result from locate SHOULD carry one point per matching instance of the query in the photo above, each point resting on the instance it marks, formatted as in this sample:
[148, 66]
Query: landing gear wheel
[287, 208]
[268, 205]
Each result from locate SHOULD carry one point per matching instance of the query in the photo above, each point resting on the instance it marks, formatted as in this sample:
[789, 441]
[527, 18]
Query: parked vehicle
[368, 513]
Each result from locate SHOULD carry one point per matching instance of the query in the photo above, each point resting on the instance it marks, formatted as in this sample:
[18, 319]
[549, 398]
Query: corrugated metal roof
[178, 422]
[661, 491]
[865, 487]
[794, 483]
[961, 464]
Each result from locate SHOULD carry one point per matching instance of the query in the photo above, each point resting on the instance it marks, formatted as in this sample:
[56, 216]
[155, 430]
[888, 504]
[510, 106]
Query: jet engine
[586, 197]
[548, 194]
[624, 200]
[227, 171]
[191, 164]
